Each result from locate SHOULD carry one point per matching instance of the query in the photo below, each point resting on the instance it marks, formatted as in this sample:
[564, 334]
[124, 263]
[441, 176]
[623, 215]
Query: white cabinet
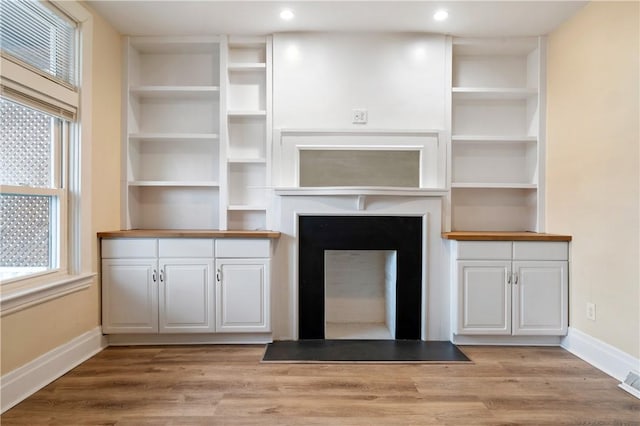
[186, 296]
[145, 291]
[510, 288]
[185, 285]
[242, 288]
[497, 140]
[129, 295]
[242, 295]
[484, 297]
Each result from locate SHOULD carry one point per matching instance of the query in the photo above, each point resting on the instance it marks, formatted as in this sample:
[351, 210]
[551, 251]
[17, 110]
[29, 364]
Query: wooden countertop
[187, 233]
[503, 236]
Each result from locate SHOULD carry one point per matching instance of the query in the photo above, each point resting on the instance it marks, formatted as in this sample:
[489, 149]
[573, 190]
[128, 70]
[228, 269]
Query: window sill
[16, 300]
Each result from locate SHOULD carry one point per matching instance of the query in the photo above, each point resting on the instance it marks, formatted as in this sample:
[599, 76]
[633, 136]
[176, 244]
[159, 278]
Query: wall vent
[632, 384]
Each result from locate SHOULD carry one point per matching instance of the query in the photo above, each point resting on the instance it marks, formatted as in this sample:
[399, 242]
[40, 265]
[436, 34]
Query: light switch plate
[359, 116]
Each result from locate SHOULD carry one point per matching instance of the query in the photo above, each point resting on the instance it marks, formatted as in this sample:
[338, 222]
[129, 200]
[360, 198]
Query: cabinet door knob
[153, 275]
[508, 277]
[515, 278]
[161, 276]
[218, 275]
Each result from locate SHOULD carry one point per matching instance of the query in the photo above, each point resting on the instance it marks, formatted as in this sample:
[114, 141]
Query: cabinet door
[484, 297]
[540, 297]
[186, 296]
[129, 296]
[242, 295]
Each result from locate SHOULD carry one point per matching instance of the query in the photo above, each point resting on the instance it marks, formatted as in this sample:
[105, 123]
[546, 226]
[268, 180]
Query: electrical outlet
[591, 311]
[359, 116]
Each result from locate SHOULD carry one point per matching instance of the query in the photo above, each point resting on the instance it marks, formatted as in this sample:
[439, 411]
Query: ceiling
[466, 18]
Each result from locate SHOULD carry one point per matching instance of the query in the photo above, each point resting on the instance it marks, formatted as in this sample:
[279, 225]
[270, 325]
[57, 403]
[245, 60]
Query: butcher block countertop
[503, 236]
[187, 233]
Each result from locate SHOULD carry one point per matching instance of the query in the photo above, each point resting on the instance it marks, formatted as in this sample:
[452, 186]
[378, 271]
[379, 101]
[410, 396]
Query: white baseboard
[189, 339]
[24, 381]
[601, 355]
[506, 340]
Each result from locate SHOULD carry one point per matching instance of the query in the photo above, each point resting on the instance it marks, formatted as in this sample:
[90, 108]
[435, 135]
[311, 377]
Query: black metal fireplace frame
[402, 234]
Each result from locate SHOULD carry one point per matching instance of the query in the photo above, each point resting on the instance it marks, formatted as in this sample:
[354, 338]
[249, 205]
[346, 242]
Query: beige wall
[32, 332]
[593, 164]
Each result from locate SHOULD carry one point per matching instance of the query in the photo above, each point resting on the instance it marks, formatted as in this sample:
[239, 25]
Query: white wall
[318, 78]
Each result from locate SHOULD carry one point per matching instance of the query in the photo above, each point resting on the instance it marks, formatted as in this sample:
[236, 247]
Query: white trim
[23, 79]
[506, 340]
[189, 339]
[633, 391]
[599, 354]
[24, 381]
[18, 300]
[80, 234]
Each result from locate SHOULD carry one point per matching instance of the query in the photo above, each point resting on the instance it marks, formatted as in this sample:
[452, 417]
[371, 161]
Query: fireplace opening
[360, 294]
[350, 264]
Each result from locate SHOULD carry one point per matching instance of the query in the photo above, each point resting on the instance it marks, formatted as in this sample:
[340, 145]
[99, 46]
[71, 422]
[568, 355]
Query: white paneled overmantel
[388, 159]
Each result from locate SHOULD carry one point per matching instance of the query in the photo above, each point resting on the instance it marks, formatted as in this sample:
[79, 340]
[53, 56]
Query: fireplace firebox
[400, 234]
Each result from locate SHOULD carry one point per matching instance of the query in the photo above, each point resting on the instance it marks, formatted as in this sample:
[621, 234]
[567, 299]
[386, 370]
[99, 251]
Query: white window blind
[41, 37]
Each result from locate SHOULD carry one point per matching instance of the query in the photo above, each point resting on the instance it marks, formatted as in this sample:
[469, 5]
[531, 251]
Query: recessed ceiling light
[286, 15]
[441, 15]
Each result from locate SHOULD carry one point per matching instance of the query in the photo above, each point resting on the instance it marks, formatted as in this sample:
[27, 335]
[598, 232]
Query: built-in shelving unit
[248, 132]
[497, 137]
[172, 134]
[196, 143]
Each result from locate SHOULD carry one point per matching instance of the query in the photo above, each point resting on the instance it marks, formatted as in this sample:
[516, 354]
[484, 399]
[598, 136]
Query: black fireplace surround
[319, 233]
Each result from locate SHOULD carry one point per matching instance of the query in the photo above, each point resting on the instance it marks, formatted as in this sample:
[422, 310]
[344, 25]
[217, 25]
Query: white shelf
[489, 93]
[239, 207]
[247, 160]
[497, 138]
[493, 185]
[175, 92]
[175, 183]
[254, 113]
[182, 137]
[247, 66]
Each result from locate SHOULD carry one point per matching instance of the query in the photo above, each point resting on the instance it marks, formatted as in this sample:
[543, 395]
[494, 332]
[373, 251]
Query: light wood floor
[227, 385]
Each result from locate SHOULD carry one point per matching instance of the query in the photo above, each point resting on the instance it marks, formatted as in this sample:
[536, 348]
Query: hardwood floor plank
[228, 385]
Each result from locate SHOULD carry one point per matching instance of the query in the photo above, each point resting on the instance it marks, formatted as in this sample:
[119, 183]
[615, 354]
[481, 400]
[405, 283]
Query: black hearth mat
[373, 351]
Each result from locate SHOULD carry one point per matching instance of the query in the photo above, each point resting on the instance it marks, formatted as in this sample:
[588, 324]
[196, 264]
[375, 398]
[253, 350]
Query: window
[33, 198]
[41, 37]
[38, 135]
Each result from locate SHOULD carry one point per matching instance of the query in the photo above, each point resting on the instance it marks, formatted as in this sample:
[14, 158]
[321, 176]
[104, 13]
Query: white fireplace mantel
[359, 191]
[291, 203]
[360, 194]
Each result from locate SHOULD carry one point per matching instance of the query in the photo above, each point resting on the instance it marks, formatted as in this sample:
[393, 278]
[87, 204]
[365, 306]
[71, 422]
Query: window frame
[75, 263]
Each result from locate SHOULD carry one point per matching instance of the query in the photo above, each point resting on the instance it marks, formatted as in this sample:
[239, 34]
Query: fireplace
[360, 290]
[397, 239]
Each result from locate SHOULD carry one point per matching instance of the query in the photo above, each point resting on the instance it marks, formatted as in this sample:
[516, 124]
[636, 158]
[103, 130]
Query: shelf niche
[171, 136]
[492, 209]
[497, 133]
[173, 207]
